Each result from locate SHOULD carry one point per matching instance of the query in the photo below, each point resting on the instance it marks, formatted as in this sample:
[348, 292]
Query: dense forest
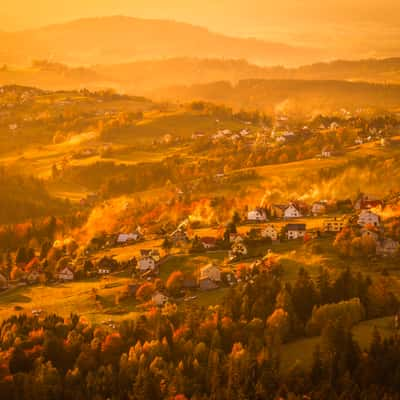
[227, 352]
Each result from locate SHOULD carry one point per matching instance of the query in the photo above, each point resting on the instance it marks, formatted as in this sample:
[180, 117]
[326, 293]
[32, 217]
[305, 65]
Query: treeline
[225, 352]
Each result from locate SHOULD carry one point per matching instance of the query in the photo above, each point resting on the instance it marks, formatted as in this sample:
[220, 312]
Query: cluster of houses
[209, 277]
[228, 134]
[285, 131]
[287, 211]
[371, 227]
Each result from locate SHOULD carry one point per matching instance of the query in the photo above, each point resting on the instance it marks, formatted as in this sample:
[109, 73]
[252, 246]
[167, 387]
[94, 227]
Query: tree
[236, 218]
[145, 291]
[174, 283]
[278, 323]
[304, 296]
[19, 362]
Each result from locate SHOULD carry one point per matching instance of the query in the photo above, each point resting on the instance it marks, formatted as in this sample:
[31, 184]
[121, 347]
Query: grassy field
[78, 296]
[70, 297]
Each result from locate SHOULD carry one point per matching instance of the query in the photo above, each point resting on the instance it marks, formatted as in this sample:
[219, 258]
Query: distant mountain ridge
[121, 39]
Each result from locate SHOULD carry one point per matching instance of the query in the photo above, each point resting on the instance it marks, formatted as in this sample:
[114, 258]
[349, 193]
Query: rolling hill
[122, 39]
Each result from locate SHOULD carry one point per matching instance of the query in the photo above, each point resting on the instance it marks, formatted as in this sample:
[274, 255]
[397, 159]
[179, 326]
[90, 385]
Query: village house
[33, 276]
[106, 265]
[366, 201]
[295, 231]
[66, 274]
[367, 217]
[326, 153]
[281, 139]
[218, 135]
[387, 247]
[208, 242]
[334, 224]
[128, 237]
[318, 208]
[104, 271]
[146, 261]
[270, 231]
[159, 299]
[211, 271]
[333, 126]
[257, 215]
[291, 212]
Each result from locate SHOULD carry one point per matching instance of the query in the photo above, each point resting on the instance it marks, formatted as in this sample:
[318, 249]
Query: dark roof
[296, 227]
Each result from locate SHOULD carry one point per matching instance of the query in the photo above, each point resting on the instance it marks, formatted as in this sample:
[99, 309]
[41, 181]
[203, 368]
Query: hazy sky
[293, 20]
